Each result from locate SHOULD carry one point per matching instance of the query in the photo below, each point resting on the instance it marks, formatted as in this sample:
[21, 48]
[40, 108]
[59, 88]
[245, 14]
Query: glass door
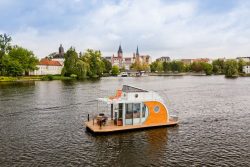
[129, 114]
[132, 113]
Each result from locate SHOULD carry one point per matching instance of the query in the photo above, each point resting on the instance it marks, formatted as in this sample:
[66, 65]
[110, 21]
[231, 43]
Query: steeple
[61, 50]
[120, 49]
[137, 51]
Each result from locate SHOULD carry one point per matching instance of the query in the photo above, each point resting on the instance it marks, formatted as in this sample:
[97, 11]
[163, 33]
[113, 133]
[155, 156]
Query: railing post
[88, 117]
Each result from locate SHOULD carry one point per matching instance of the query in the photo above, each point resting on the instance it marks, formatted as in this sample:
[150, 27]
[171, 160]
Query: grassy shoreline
[34, 78]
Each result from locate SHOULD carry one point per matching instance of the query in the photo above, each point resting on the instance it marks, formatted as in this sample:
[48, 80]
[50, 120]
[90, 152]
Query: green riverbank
[34, 78]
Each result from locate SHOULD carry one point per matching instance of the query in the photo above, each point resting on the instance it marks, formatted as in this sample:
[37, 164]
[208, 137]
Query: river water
[41, 124]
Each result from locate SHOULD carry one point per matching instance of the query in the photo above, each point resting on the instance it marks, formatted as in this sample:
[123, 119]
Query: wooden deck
[110, 127]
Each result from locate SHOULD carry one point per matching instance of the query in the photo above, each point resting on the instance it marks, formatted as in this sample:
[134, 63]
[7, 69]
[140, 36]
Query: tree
[153, 66]
[107, 65]
[115, 70]
[231, 68]
[177, 66]
[71, 59]
[156, 66]
[4, 48]
[241, 64]
[96, 65]
[159, 66]
[81, 69]
[5, 43]
[24, 57]
[218, 66]
[122, 69]
[207, 68]
[196, 67]
[166, 66]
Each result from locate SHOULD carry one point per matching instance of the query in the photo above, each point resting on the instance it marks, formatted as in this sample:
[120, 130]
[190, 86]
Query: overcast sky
[179, 29]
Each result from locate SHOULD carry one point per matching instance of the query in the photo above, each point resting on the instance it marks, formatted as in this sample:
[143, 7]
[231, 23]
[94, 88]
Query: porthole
[156, 109]
[136, 95]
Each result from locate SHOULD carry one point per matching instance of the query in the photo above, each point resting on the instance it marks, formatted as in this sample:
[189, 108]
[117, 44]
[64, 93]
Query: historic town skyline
[178, 29]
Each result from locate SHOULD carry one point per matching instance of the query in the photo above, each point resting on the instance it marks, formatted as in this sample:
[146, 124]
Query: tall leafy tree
[177, 66]
[241, 64]
[207, 68]
[12, 67]
[196, 67]
[166, 66]
[231, 68]
[5, 43]
[71, 59]
[4, 48]
[81, 69]
[115, 70]
[107, 65]
[96, 65]
[24, 57]
[218, 66]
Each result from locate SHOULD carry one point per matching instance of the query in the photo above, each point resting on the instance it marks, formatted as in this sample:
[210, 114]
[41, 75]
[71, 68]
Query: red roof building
[47, 62]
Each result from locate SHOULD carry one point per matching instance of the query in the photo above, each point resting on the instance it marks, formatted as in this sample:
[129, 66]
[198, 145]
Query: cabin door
[132, 113]
[129, 114]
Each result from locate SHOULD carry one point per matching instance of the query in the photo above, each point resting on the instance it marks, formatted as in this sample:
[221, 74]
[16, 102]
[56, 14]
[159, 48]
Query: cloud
[179, 29]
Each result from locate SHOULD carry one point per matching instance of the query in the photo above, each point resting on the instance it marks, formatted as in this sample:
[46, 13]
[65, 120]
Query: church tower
[61, 51]
[119, 53]
[137, 51]
[137, 55]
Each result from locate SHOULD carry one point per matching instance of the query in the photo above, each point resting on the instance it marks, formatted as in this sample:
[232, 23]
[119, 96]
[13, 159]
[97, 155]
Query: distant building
[246, 59]
[118, 60]
[203, 60]
[58, 56]
[246, 69]
[144, 59]
[164, 59]
[126, 62]
[187, 61]
[48, 67]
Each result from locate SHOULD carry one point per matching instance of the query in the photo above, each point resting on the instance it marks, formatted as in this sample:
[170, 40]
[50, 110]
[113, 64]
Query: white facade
[60, 60]
[246, 59]
[246, 69]
[47, 70]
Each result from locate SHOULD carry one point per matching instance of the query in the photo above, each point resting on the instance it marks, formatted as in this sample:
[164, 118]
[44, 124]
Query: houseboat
[130, 109]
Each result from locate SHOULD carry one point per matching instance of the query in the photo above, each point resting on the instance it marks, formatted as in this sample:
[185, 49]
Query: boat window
[156, 109]
[129, 110]
[136, 110]
[120, 108]
[144, 110]
[132, 110]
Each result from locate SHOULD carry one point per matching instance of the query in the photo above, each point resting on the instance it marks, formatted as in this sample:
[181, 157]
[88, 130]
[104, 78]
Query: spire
[61, 50]
[137, 51]
[120, 49]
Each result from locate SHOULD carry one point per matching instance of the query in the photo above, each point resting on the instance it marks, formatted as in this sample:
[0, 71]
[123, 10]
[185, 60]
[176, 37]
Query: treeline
[88, 65]
[230, 68]
[15, 60]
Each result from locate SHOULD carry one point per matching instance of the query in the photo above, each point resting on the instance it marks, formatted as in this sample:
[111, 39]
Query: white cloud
[177, 30]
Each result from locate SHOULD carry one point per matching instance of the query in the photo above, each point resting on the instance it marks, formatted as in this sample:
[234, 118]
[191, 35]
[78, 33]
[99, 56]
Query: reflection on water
[41, 124]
